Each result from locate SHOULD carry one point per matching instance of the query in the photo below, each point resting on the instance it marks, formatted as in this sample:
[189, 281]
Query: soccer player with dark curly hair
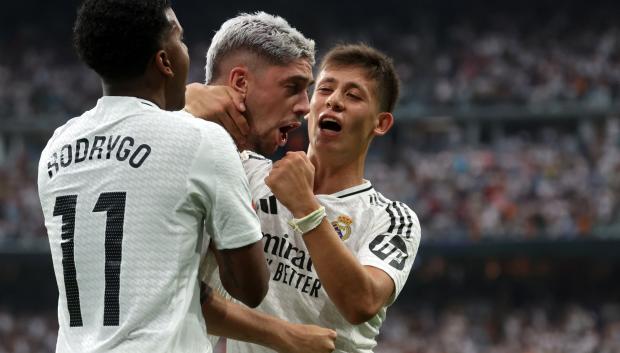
[130, 188]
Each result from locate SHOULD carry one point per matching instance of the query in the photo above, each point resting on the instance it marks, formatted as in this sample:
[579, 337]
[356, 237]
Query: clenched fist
[292, 182]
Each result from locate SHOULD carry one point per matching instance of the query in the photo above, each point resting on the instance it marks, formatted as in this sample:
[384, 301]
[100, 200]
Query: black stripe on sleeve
[401, 220]
[407, 212]
[392, 218]
[382, 200]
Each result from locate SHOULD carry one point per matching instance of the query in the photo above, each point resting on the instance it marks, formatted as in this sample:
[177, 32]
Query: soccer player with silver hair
[338, 250]
[262, 59]
[268, 37]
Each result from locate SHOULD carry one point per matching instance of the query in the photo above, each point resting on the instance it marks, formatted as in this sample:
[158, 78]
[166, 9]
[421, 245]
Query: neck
[333, 174]
[138, 88]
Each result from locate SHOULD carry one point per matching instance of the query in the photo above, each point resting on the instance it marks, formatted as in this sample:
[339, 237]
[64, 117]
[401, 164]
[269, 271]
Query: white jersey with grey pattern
[126, 190]
[381, 233]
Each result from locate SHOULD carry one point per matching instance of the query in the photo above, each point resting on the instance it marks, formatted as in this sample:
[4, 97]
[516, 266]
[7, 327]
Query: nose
[334, 103]
[302, 106]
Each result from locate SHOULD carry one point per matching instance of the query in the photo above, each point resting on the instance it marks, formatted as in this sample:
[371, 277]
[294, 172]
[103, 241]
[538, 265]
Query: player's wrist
[304, 207]
[281, 340]
[308, 222]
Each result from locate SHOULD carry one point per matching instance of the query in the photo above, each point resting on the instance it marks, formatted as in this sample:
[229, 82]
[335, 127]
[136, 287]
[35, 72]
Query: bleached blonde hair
[269, 37]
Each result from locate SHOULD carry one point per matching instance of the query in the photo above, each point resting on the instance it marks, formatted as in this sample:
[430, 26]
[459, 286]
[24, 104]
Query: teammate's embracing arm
[232, 222]
[231, 320]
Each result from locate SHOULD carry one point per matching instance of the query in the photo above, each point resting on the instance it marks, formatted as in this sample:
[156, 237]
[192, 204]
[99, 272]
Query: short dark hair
[378, 66]
[116, 38]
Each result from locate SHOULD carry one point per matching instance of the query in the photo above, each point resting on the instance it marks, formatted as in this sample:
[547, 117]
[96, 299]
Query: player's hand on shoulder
[300, 338]
[292, 182]
[219, 104]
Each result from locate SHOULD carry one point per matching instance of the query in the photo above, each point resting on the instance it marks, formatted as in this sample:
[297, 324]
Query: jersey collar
[115, 100]
[358, 189]
[146, 102]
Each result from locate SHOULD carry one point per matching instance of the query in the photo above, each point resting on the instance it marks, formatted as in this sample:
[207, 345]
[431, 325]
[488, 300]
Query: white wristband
[309, 222]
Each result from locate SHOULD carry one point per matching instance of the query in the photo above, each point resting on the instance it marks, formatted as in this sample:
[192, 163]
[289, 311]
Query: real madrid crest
[343, 226]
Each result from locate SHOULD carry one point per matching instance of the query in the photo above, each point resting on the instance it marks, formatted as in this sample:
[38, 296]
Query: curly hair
[116, 38]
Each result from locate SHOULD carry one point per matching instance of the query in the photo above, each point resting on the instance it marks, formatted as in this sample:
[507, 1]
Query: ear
[384, 123]
[163, 64]
[238, 79]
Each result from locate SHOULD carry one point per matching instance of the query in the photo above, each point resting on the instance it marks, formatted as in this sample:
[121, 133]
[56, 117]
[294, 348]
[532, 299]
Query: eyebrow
[299, 78]
[347, 85]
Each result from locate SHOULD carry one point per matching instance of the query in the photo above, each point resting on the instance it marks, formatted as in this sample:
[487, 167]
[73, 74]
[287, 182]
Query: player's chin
[267, 149]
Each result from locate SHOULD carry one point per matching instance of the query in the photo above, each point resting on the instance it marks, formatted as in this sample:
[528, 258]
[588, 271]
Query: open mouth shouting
[284, 130]
[329, 124]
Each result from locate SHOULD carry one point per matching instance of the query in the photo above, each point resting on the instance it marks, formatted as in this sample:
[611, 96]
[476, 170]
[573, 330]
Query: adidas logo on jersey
[269, 205]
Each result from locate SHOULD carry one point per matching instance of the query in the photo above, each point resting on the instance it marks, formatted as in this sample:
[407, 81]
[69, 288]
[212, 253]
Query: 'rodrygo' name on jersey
[122, 148]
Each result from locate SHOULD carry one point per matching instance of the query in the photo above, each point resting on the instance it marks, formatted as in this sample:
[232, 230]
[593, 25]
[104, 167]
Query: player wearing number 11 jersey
[127, 189]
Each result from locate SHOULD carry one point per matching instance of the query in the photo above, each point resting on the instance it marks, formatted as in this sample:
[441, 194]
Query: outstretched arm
[231, 320]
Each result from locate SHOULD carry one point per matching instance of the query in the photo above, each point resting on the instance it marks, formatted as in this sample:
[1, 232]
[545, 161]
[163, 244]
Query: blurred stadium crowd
[480, 326]
[460, 66]
[555, 183]
[28, 333]
[527, 184]
[534, 176]
[546, 184]
[465, 65]
[469, 327]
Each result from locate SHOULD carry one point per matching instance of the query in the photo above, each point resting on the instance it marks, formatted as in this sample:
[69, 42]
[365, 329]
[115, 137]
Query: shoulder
[62, 133]
[251, 155]
[394, 217]
[253, 161]
[208, 130]
[67, 127]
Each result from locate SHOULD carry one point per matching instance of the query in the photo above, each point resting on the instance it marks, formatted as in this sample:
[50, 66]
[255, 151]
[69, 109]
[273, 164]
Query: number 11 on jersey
[113, 203]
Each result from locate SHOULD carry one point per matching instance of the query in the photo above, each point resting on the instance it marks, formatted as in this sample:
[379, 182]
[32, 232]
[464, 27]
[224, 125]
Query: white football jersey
[126, 190]
[381, 233]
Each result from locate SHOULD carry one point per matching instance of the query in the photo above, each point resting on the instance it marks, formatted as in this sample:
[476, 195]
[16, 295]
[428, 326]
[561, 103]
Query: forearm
[250, 287]
[347, 282]
[227, 319]
[357, 291]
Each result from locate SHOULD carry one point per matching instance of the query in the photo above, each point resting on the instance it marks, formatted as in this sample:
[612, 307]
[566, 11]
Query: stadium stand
[507, 146]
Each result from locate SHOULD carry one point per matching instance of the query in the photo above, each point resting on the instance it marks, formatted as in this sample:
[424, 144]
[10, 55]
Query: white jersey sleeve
[257, 168]
[233, 223]
[392, 243]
